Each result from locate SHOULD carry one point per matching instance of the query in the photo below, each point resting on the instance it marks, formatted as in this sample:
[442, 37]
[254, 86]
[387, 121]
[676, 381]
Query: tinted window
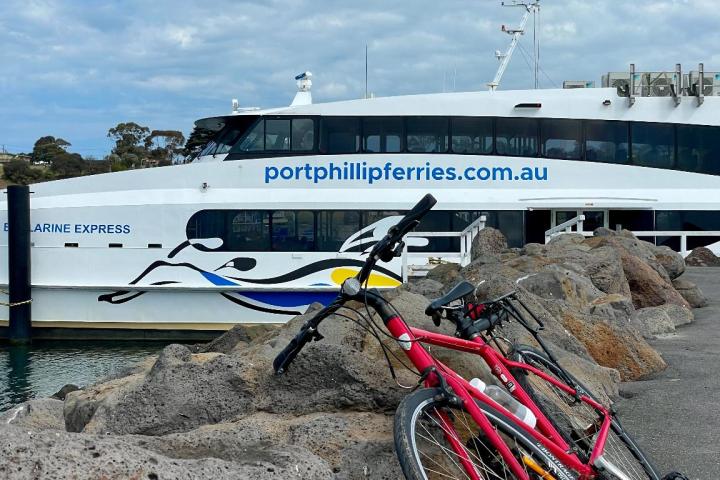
[303, 134]
[333, 228]
[382, 134]
[427, 134]
[692, 220]
[606, 142]
[698, 149]
[561, 139]
[277, 134]
[472, 135]
[253, 141]
[293, 231]
[207, 224]
[653, 145]
[339, 135]
[248, 231]
[517, 137]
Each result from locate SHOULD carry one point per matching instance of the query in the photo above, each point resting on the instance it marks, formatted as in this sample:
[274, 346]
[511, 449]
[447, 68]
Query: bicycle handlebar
[381, 250]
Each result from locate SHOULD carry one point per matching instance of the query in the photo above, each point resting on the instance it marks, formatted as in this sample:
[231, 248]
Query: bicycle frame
[545, 434]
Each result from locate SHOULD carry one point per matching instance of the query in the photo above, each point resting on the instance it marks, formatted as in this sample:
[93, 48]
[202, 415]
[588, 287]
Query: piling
[18, 207]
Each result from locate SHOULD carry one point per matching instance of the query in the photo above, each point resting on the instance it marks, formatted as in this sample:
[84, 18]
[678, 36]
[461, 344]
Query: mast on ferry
[530, 8]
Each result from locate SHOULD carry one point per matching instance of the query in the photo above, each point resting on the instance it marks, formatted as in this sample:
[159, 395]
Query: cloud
[75, 68]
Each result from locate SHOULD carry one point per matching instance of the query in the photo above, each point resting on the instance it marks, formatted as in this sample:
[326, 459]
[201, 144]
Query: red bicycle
[541, 424]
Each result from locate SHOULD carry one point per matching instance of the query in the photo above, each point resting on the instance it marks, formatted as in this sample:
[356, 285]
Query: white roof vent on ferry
[303, 95]
[236, 108]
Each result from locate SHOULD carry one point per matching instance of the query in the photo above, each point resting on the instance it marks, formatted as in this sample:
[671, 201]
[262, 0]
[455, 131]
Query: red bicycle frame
[410, 340]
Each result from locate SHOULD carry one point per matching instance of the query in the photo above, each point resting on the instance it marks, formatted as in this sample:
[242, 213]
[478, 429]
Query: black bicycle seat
[459, 291]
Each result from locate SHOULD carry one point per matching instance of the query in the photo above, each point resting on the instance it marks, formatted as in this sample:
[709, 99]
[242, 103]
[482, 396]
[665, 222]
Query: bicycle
[450, 428]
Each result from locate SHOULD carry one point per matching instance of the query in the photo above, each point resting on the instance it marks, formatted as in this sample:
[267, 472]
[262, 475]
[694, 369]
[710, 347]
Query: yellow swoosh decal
[339, 275]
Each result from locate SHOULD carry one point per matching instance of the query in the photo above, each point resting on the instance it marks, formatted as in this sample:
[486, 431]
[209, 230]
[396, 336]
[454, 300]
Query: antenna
[366, 71]
[504, 58]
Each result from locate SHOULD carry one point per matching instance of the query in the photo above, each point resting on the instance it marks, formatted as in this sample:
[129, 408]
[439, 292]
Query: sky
[74, 69]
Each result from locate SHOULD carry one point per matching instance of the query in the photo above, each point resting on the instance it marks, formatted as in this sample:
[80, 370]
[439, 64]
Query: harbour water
[43, 368]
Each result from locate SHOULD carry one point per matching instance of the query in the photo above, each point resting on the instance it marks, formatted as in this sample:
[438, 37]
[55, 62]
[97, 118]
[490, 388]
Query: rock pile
[216, 411]
[702, 257]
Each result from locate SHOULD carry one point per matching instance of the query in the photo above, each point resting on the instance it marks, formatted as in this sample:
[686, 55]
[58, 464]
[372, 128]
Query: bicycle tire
[570, 417]
[423, 405]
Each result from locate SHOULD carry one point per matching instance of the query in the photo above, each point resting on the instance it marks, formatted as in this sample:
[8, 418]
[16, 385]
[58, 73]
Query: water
[42, 369]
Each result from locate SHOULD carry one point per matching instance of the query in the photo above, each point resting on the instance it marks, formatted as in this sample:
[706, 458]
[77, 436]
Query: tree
[67, 165]
[197, 140]
[129, 139]
[164, 145]
[46, 148]
[20, 172]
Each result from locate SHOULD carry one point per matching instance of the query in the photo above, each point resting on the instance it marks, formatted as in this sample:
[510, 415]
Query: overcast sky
[74, 68]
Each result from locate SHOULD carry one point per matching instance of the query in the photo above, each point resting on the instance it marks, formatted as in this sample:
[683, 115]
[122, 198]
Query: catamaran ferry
[281, 205]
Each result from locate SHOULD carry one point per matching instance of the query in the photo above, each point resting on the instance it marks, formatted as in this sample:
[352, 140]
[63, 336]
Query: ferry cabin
[281, 205]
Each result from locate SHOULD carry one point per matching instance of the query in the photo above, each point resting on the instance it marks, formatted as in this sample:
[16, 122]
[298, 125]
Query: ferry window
[303, 134]
[382, 134]
[691, 220]
[339, 135]
[653, 144]
[293, 231]
[277, 134]
[606, 142]
[698, 149]
[427, 134]
[207, 224]
[253, 141]
[248, 231]
[510, 222]
[472, 135]
[333, 228]
[517, 136]
[561, 138]
[227, 139]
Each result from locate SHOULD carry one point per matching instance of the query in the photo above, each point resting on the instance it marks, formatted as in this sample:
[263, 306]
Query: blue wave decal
[291, 299]
[217, 279]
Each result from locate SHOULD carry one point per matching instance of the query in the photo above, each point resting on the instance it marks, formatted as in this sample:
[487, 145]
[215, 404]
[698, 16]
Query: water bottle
[506, 400]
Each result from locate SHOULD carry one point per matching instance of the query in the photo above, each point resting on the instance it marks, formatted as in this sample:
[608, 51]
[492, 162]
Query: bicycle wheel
[425, 426]
[577, 421]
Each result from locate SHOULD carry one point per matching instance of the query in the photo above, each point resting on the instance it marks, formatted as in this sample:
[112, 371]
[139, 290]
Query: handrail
[565, 227]
[466, 236]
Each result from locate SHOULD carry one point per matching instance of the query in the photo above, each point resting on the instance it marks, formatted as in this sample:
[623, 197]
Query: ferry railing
[566, 227]
[463, 256]
[677, 233]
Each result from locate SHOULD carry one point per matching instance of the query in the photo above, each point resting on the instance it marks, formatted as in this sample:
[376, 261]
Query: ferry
[282, 204]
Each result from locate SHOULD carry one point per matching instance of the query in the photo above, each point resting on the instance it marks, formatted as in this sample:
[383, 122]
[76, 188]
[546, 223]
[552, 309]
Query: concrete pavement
[675, 416]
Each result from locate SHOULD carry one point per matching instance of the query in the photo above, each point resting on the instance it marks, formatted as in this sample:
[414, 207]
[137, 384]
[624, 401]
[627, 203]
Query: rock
[39, 413]
[238, 335]
[654, 321]
[614, 345]
[672, 262]
[613, 306]
[427, 287]
[702, 257]
[533, 249]
[690, 292]
[566, 239]
[488, 241]
[627, 245]
[62, 393]
[446, 273]
[604, 232]
[558, 283]
[648, 288]
[53, 455]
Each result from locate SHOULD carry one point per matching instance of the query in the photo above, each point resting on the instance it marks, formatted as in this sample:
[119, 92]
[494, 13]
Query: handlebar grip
[415, 214]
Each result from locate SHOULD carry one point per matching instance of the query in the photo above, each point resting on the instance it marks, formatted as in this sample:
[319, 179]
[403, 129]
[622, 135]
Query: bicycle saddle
[459, 291]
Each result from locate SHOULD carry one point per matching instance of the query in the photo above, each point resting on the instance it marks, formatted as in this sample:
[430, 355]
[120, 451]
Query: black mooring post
[18, 207]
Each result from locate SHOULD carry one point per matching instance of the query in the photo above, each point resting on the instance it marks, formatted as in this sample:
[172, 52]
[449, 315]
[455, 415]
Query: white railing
[676, 233]
[463, 257]
[566, 227]
[682, 234]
